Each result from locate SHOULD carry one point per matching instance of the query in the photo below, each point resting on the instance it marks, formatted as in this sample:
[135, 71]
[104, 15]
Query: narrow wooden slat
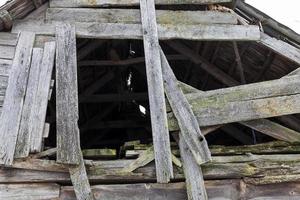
[7, 52]
[161, 138]
[134, 31]
[23, 141]
[67, 96]
[9, 39]
[41, 99]
[189, 127]
[281, 47]
[106, 3]
[40, 191]
[132, 16]
[14, 98]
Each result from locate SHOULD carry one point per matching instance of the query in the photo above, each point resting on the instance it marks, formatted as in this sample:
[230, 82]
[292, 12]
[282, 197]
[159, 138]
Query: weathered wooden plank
[106, 3]
[41, 99]
[27, 121]
[7, 52]
[5, 66]
[161, 138]
[281, 47]
[134, 31]
[132, 16]
[189, 127]
[9, 39]
[41, 191]
[67, 96]
[14, 98]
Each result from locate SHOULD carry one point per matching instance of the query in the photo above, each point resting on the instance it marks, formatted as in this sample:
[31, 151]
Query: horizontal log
[106, 3]
[9, 39]
[133, 16]
[134, 31]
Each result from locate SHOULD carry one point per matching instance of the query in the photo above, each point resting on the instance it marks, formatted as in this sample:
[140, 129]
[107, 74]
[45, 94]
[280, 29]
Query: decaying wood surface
[41, 100]
[189, 127]
[67, 96]
[161, 138]
[132, 16]
[134, 31]
[27, 120]
[14, 98]
[106, 3]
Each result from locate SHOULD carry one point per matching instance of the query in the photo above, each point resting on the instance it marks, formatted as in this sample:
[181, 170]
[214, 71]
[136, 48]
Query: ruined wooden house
[111, 99]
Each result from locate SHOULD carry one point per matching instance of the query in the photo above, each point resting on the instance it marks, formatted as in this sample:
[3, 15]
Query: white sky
[286, 12]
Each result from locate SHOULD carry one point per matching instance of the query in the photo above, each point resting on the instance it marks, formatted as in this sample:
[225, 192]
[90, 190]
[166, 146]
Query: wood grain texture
[132, 16]
[9, 39]
[134, 31]
[7, 52]
[27, 121]
[5, 66]
[14, 98]
[41, 99]
[161, 138]
[68, 142]
[106, 3]
[189, 127]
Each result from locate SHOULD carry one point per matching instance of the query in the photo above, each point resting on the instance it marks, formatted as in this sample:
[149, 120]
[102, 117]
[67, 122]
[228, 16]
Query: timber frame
[110, 99]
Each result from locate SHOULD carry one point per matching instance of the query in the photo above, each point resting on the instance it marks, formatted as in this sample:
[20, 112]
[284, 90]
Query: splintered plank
[117, 3]
[67, 96]
[224, 32]
[37, 191]
[23, 142]
[132, 16]
[14, 98]
[41, 99]
[189, 127]
[161, 138]
[281, 47]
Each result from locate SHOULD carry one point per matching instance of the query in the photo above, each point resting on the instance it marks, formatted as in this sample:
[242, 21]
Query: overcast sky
[286, 12]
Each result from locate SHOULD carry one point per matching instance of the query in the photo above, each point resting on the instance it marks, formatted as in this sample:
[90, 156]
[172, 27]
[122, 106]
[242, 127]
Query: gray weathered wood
[5, 66]
[193, 173]
[7, 52]
[134, 31]
[9, 39]
[189, 127]
[105, 3]
[281, 47]
[38, 191]
[41, 99]
[161, 138]
[68, 142]
[14, 98]
[132, 16]
[27, 121]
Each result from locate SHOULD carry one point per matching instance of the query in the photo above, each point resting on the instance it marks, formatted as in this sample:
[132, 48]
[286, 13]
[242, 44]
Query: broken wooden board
[116, 3]
[68, 146]
[41, 99]
[160, 133]
[134, 31]
[189, 127]
[27, 122]
[14, 98]
[132, 16]
[40, 191]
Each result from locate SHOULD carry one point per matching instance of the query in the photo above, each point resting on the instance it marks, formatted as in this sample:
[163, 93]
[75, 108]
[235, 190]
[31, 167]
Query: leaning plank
[23, 141]
[189, 127]
[134, 31]
[14, 98]
[41, 98]
[106, 3]
[68, 146]
[161, 138]
[39, 191]
[132, 16]
[7, 52]
[281, 47]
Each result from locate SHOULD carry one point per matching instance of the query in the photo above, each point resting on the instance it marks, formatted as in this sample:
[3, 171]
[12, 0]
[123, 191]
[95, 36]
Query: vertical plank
[14, 98]
[67, 96]
[23, 141]
[41, 100]
[187, 121]
[161, 138]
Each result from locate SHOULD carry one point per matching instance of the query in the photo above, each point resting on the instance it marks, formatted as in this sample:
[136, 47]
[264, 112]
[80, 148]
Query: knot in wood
[6, 19]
